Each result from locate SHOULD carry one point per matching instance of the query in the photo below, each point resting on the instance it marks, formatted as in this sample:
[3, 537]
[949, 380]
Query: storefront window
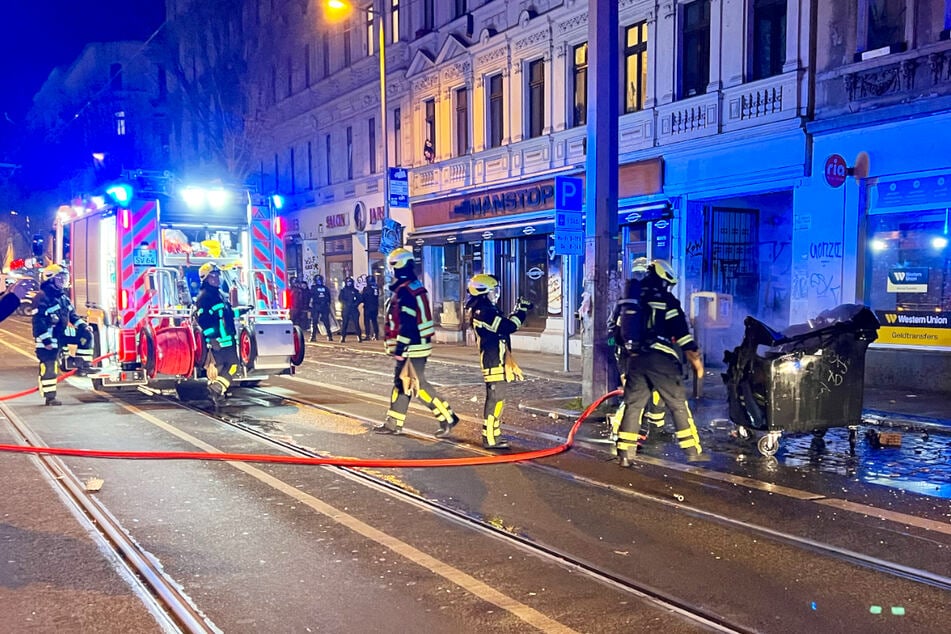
[908, 267]
[447, 302]
[532, 271]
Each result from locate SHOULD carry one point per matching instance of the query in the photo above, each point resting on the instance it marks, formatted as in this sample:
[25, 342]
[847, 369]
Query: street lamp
[377, 13]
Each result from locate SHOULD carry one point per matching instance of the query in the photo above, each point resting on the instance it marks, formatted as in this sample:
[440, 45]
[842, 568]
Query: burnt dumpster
[808, 378]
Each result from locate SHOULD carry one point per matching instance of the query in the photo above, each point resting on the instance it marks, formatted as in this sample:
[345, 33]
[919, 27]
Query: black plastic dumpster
[806, 379]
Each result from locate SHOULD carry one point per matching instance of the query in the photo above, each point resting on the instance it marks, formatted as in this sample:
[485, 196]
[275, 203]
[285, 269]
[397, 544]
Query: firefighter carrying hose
[216, 318]
[649, 330]
[407, 337]
[52, 331]
[654, 414]
[493, 330]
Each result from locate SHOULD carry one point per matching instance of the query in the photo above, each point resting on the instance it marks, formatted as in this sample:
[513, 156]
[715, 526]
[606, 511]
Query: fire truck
[133, 256]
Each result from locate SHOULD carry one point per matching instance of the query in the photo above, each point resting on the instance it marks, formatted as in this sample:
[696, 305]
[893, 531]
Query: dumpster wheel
[768, 445]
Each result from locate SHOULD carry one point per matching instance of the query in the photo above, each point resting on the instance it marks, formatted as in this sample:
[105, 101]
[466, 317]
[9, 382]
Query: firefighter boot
[446, 426]
[216, 392]
[392, 427]
[53, 401]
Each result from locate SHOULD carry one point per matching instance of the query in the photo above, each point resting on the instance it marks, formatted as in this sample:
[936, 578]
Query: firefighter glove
[524, 304]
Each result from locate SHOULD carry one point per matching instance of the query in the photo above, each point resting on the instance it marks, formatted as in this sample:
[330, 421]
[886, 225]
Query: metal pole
[383, 119]
[601, 191]
[565, 304]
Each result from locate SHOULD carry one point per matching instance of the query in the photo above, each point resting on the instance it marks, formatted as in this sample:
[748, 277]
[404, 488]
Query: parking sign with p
[569, 193]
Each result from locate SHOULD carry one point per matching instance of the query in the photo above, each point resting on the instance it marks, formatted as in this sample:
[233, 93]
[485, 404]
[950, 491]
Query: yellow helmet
[399, 258]
[482, 284]
[51, 271]
[206, 268]
[663, 270]
[640, 265]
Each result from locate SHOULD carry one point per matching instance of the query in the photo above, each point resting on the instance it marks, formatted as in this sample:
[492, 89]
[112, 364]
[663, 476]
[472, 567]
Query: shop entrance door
[532, 271]
[732, 267]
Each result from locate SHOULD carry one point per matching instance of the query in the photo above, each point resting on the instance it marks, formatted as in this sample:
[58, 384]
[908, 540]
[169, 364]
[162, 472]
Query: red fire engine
[133, 257]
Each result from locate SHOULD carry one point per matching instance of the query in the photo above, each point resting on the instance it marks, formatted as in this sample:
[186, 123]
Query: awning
[478, 231]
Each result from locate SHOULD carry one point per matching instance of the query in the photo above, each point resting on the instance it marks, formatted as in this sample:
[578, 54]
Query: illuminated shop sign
[336, 221]
[529, 198]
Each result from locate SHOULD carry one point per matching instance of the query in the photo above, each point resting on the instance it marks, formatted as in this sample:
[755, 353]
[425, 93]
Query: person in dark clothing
[54, 314]
[320, 308]
[10, 300]
[300, 299]
[493, 331]
[654, 363]
[350, 309]
[407, 337]
[371, 308]
[216, 319]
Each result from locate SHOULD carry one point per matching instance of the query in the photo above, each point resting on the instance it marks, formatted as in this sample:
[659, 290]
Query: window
[496, 121]
[429, 128]
[885, 23]
[429, 16]
[368, 25]
[307, 65]
[290, 78]
[293, 173]
[326, 54]
[769, 38]
[536, 98]
[395, 20]
[328, 157]
[695, 48]
[462, 122]
[371, 142]
[635, 67]
[579, 84]
[349, 152]
[397, 135]
[310, 165]
[120, 123]
[115, 76]
[459, 8]
[346, 43]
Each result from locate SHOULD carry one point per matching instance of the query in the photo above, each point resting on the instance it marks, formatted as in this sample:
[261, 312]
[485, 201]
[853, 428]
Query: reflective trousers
[226, 362]
[399, 399]
[492, 412]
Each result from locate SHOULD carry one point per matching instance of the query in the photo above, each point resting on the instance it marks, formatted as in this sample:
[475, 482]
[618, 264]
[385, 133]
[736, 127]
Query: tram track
[172, 609]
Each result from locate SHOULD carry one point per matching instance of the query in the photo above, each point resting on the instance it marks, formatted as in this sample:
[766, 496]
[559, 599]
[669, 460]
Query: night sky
[39, 35]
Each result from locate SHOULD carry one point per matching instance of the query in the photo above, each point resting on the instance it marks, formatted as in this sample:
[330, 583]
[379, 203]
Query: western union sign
[914, 328]
[914, 280]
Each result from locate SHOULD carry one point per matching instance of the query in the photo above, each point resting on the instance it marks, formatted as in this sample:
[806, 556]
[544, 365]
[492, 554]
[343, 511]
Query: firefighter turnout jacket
[409, 320]
[493, 330]
[216, 318]
[54, 312]
[660, 320]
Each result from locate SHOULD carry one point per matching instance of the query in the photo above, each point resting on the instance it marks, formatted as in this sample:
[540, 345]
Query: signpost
[569, 239]
[399, 188]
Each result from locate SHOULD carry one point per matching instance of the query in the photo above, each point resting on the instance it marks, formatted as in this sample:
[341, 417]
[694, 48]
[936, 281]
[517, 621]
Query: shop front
[504, 232]
[872, 227]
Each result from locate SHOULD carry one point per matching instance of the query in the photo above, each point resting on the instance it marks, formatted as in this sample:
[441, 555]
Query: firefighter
[654, 414]
[320, 308]
[350, 300]
[407, 336]
[649, 330]
[54, 314]
[216, 318]
[493, 331]
[371, 308]
[300, 295]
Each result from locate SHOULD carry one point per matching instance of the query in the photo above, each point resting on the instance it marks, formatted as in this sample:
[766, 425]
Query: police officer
[349, 298]
[54, 314]
[493, 331]
[654, 414]
[216, 318]
[320, 308]
[371, 308]
[649, 330]
[407, 337]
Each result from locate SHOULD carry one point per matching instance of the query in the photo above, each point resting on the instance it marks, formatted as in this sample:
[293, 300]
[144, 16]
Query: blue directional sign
[569, 193]
[399, 188]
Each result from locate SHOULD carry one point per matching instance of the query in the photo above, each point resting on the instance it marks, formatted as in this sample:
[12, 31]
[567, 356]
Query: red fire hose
[333, 461]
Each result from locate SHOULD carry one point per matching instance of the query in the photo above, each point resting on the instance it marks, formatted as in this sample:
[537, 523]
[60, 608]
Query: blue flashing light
[278, 201]
[120, 193]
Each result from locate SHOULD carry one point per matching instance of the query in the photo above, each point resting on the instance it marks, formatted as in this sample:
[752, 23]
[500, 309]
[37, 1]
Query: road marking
[892, 516]
[467, 582]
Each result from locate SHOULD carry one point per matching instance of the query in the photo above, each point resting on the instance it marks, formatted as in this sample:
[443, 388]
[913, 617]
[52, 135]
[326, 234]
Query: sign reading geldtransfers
[914, 328]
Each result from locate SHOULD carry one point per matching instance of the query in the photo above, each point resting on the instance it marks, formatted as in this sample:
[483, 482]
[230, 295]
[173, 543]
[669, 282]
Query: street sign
[399, 188]
[569, 193]
[569, 242]
[569, 220]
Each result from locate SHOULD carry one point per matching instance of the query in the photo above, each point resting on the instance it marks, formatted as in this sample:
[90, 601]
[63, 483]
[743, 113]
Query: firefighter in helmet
[493, 331]
[654, 414]
[653, 332]
[407, 337]
[216, 319]
[56, 325]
